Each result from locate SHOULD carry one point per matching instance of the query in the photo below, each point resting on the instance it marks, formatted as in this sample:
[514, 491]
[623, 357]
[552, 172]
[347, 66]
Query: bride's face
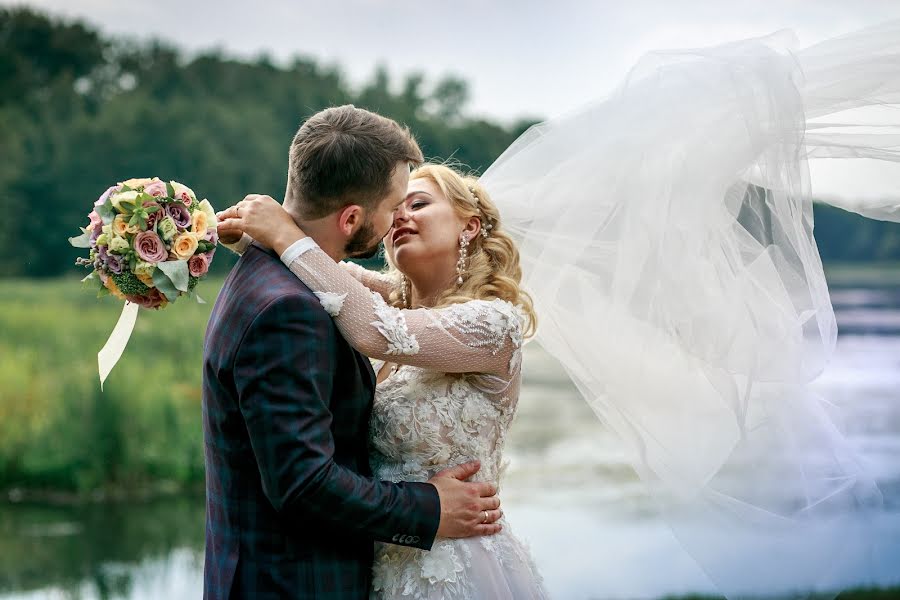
[426, 228]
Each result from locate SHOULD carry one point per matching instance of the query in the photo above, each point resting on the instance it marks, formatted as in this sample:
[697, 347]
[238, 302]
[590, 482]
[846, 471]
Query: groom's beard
[364, 243]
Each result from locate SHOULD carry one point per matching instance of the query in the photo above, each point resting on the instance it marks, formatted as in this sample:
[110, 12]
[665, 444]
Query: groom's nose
[400, 215]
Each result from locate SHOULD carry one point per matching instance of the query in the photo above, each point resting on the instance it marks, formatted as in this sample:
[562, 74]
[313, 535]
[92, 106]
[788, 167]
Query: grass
[58, 431]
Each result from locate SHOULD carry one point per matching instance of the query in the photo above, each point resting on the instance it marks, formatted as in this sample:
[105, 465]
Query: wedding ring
[484, 520]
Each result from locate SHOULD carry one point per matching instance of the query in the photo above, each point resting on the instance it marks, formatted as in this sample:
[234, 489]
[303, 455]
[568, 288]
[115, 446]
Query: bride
[665, 237]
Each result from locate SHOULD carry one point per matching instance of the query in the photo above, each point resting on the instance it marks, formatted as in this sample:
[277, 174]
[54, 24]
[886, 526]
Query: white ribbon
[111, 352]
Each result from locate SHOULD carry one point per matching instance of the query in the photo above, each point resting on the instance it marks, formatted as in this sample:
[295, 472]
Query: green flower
[128, 198]
[118, 244]
[144, 268]
[130, 284]
[167, 229]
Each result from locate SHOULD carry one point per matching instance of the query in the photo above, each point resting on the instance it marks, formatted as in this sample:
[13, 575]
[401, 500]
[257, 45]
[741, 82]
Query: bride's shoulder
[495, 316]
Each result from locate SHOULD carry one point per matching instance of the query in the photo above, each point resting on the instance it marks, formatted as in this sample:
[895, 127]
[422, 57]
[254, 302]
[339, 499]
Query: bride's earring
[463, 254]
[403, 284]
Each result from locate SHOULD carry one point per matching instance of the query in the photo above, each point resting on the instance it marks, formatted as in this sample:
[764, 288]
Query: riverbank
[62, 439]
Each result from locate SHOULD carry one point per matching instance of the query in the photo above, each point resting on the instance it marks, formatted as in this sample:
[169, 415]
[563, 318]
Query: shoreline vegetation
[63, 441]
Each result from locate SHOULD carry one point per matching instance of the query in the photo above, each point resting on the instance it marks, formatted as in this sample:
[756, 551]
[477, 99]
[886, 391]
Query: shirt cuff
[297, 249]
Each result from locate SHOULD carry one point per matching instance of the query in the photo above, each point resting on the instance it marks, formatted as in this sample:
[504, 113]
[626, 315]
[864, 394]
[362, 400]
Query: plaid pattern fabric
[292, 511]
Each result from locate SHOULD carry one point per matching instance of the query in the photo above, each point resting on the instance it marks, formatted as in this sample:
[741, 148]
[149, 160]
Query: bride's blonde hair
[492, 265]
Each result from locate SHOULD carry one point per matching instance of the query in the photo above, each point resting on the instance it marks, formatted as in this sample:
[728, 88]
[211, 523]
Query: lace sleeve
[377, 282]
[479, 336]
[240, 246]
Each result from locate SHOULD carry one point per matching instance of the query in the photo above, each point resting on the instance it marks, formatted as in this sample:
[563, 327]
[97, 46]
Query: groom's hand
[227, 232]
[467, 509]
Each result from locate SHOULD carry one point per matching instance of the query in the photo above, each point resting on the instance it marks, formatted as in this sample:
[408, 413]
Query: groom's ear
[350, 219]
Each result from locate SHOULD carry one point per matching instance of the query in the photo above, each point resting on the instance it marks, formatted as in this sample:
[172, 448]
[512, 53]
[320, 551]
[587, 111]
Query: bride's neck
[427, 287]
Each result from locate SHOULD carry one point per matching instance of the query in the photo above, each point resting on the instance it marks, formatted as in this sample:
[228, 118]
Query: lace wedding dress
[450, 400]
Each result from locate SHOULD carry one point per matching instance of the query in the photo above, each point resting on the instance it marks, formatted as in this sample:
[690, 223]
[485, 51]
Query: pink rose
[152, 299]
[198, 265]
[152, 218]
[102, 200]
[156, 188]
[95, 219]
[183, 193]
[150, 247]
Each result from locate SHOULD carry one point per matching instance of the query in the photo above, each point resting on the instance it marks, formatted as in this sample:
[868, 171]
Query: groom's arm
[283, 374]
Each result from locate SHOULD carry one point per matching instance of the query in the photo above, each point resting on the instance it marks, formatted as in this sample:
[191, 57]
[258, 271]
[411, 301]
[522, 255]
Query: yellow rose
[114, 289]
[184, 246]
[138, 182]
[120, 225]
[206, 207]
[199, 223]
[145, 279]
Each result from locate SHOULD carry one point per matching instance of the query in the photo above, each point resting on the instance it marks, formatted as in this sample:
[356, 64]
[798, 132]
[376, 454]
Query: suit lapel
[366, 365]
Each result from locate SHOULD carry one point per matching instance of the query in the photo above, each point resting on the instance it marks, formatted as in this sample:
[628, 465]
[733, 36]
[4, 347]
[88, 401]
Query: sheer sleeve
[240, 246]
[479, 336]
[377, 282]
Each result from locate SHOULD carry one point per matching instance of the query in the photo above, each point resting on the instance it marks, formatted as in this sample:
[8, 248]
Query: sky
[522, 58]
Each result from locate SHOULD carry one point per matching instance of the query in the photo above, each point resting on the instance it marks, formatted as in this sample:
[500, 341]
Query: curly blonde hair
[492, 269]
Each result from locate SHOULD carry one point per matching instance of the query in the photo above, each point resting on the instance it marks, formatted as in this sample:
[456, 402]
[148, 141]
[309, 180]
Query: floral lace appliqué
[487, 324]
[331, 302]
[392, 325]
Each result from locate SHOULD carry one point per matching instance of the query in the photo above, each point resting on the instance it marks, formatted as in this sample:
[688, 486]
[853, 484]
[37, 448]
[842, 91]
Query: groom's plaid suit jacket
[291, 509]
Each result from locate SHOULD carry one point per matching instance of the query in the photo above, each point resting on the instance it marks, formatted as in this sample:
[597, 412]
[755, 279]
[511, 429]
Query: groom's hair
[345, 155]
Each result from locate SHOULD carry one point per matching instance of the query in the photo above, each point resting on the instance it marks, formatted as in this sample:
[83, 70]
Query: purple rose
[110, 262]
[95, 232]
[212, 235]
[114, 263]
[102, 200]
[179, 214]
[150, 247]
[198, 265]
[156, 188]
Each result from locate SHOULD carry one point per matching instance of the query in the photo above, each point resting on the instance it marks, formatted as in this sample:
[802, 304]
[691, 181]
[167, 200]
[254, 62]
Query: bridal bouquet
[150, 242]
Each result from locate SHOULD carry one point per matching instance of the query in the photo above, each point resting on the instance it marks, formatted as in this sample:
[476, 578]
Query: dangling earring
[403, 283]
[463, 254]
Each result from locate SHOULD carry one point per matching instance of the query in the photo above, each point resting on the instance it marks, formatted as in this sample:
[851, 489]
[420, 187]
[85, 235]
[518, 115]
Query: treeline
[80, 111]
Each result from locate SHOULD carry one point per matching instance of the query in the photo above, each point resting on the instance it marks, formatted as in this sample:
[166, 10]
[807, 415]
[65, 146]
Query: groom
[291, 507]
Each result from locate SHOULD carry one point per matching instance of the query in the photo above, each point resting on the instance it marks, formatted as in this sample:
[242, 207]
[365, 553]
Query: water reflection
[121, 550]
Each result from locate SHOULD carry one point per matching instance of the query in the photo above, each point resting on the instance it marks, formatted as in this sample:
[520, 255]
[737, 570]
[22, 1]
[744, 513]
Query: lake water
[568, 491]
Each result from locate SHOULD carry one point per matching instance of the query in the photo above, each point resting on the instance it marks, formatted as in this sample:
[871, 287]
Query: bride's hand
[263, 219]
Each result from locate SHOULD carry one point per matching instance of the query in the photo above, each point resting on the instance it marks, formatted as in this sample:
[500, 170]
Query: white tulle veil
[666, 237]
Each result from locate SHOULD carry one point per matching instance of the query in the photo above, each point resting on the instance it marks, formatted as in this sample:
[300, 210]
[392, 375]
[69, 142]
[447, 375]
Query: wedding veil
[666, 235]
